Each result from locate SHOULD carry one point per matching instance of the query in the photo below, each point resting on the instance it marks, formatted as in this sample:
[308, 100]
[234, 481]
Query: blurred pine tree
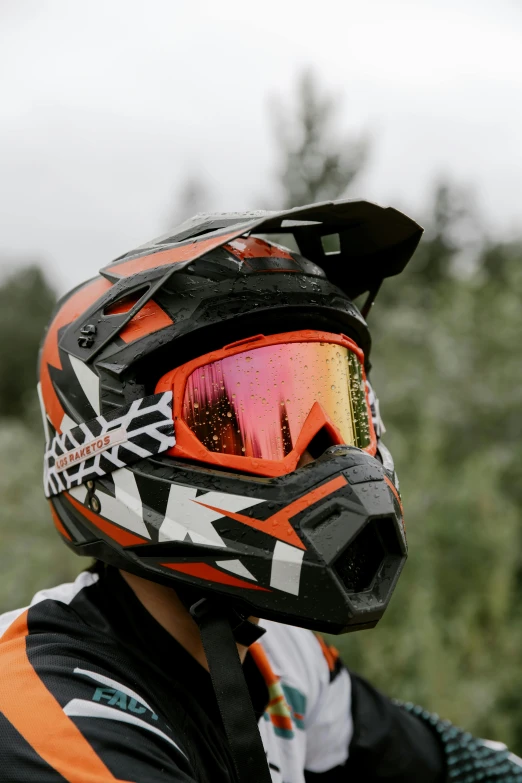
[317, 162]
[26, 302]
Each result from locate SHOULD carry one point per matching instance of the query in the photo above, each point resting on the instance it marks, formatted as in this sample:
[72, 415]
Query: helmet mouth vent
[358, 566]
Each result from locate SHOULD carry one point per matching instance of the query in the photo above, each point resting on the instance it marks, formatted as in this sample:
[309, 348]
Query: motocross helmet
[181, 388]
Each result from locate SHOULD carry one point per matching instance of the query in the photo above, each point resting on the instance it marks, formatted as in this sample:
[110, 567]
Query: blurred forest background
[448, 370]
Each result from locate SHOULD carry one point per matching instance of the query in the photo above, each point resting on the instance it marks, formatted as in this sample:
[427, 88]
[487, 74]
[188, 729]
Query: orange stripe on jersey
[263, 664]
[164, 257]
[69, 312]
[281, 721]
[330, 653]
[39, 718]
[278, 708]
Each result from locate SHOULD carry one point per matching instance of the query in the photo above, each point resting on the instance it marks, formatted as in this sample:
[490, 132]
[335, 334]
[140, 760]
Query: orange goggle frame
[222, 406]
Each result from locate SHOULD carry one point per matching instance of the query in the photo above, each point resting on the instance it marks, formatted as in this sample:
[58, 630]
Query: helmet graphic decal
[187, 517]
[286, 568]
[254, 247]
[119, 535]
[257, 255]
[208, 573]
[58, 524]
[236, 567]
[97, 447]
[89, 382]
[50, 357]
[164, 257]
[124, 509]
[278, 525]
[151, 318]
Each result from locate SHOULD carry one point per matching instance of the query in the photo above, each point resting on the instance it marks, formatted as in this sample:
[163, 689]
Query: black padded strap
[233, 698]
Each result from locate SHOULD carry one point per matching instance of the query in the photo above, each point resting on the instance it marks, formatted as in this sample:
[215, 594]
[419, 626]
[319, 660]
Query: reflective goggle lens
[255, 403]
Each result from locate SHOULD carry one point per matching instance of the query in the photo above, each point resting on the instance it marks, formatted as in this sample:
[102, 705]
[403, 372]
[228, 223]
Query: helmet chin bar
[320, 548]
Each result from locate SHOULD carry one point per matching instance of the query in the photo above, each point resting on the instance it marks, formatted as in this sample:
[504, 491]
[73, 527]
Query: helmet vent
[331, 243]
[125, 303]
[361, 561]
[320, 442]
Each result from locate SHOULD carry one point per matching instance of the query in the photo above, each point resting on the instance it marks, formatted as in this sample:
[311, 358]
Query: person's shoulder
[48, 644]
[61, 675]
[48, 608]
[55, 645]
[59, 622]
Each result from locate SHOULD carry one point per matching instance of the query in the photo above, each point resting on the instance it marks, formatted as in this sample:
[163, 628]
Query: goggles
[255, 405]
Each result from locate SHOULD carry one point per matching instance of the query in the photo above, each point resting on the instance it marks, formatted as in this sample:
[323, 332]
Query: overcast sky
[106, 107]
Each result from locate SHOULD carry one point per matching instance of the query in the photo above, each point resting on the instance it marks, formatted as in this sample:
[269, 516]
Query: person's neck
[167, 609]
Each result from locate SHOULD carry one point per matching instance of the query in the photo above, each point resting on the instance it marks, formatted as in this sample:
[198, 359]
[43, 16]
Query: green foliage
[32, 556]
[26, 301]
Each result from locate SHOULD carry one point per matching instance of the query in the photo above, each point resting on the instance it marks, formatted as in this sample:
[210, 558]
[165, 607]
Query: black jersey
[93, 689]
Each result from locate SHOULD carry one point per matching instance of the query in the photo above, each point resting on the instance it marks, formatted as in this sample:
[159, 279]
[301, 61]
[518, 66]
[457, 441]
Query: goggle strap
[107, 443]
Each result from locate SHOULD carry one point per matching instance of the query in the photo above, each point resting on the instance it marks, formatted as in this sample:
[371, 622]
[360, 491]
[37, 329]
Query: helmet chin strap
[221, 628]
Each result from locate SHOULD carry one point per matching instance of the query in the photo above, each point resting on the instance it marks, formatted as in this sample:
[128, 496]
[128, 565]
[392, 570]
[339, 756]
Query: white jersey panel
[321, 727]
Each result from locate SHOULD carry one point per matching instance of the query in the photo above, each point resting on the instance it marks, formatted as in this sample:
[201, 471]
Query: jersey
[94, 690]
